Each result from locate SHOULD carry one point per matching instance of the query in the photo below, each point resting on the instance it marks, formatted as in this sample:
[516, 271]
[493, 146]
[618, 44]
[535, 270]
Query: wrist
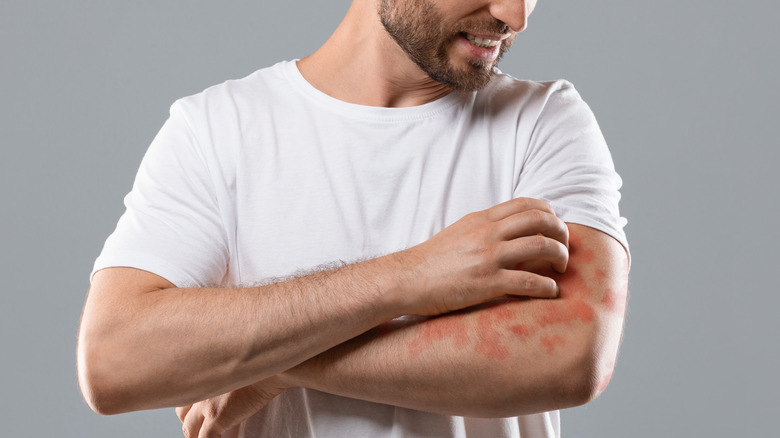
[404, 282]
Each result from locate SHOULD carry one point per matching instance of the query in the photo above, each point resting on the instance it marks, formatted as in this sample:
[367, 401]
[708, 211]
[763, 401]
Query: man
[484, 209]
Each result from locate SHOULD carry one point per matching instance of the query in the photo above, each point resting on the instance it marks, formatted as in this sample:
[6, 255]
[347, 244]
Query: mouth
[481, 42]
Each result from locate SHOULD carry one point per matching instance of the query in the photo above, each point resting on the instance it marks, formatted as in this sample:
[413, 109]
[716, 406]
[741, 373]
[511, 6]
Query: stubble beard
[417, 27]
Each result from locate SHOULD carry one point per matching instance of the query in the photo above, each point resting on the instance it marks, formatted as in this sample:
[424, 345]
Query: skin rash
[494, 329]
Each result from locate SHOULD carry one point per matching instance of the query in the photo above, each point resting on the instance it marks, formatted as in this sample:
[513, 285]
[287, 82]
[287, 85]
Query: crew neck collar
[366, 112]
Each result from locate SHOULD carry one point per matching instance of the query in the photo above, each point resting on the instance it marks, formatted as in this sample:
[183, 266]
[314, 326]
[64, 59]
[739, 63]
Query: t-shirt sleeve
[568, 164]
[171, 226]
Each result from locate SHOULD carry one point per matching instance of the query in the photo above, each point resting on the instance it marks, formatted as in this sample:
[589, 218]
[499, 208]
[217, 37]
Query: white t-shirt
[265, 177]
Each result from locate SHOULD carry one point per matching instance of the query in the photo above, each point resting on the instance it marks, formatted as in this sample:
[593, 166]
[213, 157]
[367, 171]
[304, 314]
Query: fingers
[211, 418]
[192, 423]
[529, 230]
[534, 249]
[517, 205]
[201, 419]
[528, 284]
[181, 412]
[531, 222]
[533, 236]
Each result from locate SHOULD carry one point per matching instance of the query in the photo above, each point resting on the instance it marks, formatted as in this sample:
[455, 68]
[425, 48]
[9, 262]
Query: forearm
[511, 358]
[171, 347]
[145, 344]
[464, 364]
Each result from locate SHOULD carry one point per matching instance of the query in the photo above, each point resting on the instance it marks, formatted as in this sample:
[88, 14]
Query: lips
[482, 42]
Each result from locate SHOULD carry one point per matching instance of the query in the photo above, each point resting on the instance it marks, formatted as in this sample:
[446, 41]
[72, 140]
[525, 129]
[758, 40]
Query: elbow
[95, 389]
[567, 387]
[588, 380]
[584, 389]
[100, 400]
[99, 385]
[591, 362]
[579, 380]
[96, 392]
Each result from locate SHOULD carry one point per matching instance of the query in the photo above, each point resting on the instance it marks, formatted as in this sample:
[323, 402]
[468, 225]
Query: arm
[145, 344]
[508, 358]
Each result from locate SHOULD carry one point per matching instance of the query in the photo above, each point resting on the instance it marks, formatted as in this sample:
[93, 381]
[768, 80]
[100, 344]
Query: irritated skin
[144, 344]
[509, 357]
[506, 357]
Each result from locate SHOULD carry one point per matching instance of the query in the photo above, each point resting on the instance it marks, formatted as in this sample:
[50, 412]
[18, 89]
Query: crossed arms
[517, 313]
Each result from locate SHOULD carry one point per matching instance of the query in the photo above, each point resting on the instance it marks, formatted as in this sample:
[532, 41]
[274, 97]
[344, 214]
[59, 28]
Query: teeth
[482, 42]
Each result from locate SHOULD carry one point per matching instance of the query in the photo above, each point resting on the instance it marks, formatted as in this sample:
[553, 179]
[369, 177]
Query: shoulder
[503, 83]
[528, 102]
[237, 95]
[506, 89]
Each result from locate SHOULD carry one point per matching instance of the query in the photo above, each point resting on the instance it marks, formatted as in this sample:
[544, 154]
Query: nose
[512, 12]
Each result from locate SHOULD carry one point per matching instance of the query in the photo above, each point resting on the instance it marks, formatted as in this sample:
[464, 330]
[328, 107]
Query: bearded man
[487, 274]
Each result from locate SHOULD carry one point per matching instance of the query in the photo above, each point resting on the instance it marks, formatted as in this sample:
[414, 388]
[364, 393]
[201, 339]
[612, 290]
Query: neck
[360, 63]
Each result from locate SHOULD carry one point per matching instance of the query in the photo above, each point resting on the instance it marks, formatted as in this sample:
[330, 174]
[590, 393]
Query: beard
[419, 29]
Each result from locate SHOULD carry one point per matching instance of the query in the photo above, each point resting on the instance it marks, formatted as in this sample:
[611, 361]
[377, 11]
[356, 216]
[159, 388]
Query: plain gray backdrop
[685, 92]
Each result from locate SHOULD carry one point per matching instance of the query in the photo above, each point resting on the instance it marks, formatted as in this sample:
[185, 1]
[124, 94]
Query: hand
[476, 259]
[213, 417]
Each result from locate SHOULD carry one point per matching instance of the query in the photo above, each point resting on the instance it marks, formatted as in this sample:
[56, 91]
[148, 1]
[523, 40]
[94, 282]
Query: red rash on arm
[498, 325]
[520, 330]
[530, 355]
[454, 328]
[489, 337]
[552, 342]
[450, 327]
[612, 301]
[574, 290]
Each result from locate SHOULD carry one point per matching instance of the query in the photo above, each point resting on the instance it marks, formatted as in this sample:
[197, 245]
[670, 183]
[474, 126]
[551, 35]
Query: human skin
[145, 344]
[222, 354]
[509, 357]
[361, 64]
[504, 358]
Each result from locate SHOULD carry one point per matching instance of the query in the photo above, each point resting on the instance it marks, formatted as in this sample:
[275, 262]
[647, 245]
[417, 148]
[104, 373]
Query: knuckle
[211, 410]
[523, 203]
[546, 205]
[539, 243]
[538, 216]
[477, 216]
[479, 231]
[485, 268]
[538, 286]
[529, 283]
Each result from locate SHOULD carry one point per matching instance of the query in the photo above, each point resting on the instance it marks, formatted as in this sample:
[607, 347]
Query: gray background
[685, 93]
